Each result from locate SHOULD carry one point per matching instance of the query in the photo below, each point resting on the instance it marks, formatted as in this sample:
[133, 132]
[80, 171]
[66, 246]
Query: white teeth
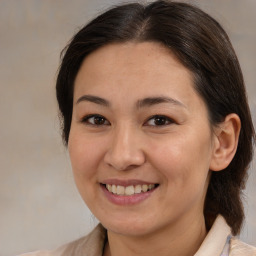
[137, 189]
[120, 190]
[109, 187]
[144, 188]
[129, 190]
[113, 190]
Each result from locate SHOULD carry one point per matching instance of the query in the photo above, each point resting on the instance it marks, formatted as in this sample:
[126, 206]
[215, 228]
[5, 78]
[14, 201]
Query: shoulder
[89, 245]
[57, 252]
[239, 248]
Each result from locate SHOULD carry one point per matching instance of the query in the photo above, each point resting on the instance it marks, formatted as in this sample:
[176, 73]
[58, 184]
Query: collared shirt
[218, 242]
[226, 248]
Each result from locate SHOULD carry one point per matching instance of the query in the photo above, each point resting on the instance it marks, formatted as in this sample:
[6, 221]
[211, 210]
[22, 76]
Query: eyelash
[164, 120]
[94, 116]
[167, 120]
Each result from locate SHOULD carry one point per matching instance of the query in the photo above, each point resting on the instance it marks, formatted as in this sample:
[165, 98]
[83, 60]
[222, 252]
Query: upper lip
[126, 183]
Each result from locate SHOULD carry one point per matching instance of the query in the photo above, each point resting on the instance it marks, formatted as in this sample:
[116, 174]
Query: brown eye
[98, 120]
[95, 120]
[159, 120]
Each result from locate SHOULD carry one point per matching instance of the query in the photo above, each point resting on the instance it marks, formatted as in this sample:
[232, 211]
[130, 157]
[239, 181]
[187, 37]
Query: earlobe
[226, 137]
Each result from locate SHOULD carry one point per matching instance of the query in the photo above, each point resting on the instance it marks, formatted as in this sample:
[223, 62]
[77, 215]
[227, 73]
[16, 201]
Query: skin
[128, 144]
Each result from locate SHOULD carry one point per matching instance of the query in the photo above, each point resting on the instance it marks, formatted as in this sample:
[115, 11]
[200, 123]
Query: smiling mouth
[129, 190]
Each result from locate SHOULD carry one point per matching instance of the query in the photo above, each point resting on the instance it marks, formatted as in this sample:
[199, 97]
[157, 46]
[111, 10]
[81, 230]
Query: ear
[225, 140]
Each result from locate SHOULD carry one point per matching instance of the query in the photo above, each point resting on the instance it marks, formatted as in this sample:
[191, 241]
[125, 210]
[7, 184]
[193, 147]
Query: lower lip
[127, 200]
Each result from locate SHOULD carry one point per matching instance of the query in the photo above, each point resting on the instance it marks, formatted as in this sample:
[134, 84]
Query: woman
[158, 143]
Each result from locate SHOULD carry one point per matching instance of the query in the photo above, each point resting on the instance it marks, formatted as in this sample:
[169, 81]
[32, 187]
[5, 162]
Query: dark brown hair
[201, 44]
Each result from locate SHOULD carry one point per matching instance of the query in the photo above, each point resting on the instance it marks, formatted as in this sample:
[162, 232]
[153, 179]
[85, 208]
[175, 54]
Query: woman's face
[140, 142]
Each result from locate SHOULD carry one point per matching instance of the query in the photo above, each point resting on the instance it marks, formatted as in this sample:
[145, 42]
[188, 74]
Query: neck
[182, 240]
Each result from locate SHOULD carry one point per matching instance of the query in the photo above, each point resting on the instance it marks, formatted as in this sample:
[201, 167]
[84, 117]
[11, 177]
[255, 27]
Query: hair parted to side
[201, 45]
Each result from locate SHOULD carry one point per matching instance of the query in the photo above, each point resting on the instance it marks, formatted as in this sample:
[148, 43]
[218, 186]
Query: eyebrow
[150, 101]
[146, 102]
[94, 99]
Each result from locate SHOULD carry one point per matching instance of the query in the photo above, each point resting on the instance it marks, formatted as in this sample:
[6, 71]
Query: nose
[125, 149]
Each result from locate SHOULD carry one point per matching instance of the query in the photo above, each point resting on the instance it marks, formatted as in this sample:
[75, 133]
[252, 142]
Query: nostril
[124, 162]
[125, 167]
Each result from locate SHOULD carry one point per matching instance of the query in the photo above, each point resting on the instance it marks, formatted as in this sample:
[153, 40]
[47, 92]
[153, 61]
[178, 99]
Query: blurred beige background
[39, 204]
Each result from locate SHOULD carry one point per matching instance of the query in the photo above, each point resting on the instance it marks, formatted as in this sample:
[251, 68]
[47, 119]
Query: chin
[129, 230]
[130, 227]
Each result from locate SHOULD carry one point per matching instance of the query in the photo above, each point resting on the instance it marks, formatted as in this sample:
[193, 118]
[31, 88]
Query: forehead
[151, 55]
[124, 68]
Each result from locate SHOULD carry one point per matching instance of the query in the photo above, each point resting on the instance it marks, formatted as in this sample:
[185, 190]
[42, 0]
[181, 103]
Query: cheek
[84, 155]
[183, 159]
[184, 176]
